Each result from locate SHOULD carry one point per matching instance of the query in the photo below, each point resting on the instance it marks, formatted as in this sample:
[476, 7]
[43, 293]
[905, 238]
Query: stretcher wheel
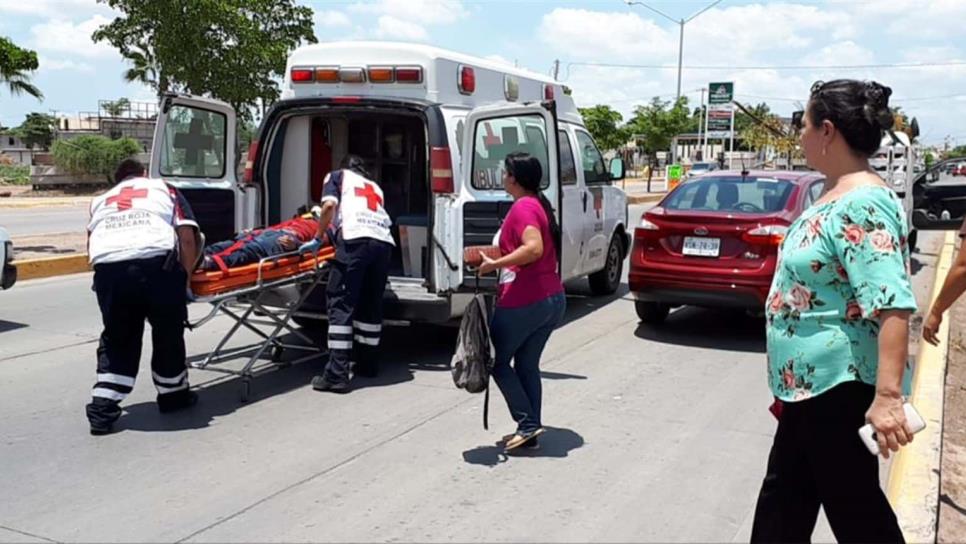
[277, 352]
[246, 389]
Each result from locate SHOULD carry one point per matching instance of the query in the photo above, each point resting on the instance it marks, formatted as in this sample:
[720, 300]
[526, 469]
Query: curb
[914, 478]
[31, 269]
[644, 199]
[65, 202]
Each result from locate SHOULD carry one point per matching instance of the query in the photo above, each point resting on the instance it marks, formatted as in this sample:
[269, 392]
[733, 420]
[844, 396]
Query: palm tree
[15, 63]
[146, 72]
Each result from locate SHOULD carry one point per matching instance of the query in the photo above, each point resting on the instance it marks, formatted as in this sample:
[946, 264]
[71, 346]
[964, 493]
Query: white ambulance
[433, 127]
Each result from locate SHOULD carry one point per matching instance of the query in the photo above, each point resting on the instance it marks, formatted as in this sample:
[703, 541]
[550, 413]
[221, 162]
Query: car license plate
[702, 247]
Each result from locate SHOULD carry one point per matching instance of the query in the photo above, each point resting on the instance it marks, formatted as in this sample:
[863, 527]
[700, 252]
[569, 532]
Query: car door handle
[583, 198]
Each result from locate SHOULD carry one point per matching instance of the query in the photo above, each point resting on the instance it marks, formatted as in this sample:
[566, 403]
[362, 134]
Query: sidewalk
[636, 189]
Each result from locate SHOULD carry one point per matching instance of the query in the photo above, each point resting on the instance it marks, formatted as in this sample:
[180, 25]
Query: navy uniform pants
[129, 292]
[357, 282]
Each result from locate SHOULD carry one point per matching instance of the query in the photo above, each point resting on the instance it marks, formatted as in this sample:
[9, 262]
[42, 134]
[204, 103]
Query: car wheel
[608, 279]
[652, 313]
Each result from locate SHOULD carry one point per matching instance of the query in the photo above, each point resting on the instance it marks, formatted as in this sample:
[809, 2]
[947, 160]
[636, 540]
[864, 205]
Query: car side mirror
[616, 168]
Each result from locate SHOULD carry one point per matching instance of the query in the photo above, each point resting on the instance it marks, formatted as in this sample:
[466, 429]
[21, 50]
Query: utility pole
[702, 127]
[681, 23]
[556, 70]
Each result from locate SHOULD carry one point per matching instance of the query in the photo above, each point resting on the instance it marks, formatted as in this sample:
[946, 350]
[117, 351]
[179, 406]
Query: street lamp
[680, 22]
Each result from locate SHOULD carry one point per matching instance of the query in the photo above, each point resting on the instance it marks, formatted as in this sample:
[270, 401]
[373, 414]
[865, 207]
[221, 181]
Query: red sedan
[713, 241]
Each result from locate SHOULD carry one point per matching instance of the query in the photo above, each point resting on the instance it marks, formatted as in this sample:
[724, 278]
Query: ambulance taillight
[409, 74]
[381, 74]
[467, 79]
[302, 75]
[441, 170]
[248, 177]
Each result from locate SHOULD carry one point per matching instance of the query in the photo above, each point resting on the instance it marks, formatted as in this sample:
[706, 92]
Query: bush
[14, 174]
[93, 155]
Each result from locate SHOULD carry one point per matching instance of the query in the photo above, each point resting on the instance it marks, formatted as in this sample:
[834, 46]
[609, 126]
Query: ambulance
[433, 127]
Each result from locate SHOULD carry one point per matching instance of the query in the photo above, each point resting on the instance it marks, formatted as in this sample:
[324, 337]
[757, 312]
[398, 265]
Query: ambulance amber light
[409, 74]
[441, 170]
[352, 75]
[301, 75]
[467, 80]
[381, 74]
[327, 75]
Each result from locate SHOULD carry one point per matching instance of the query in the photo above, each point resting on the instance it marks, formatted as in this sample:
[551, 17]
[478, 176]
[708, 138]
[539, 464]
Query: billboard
[720, 110]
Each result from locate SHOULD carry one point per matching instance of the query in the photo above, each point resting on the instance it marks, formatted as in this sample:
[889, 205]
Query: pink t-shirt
[523, 285]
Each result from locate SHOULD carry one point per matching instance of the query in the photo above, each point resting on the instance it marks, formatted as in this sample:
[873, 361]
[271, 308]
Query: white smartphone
[913, 421]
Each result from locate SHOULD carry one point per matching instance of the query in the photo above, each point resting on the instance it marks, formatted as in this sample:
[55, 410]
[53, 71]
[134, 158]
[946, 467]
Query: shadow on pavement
[6, 326]
[702, 328]
[560, 376]
[221, 395]
[581, 302]
[555, 443]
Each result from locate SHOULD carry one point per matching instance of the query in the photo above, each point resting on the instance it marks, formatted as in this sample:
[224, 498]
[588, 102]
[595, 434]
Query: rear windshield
[731, 194]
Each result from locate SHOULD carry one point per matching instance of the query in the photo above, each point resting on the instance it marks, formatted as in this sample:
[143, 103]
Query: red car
[960, 170]
[713, 241]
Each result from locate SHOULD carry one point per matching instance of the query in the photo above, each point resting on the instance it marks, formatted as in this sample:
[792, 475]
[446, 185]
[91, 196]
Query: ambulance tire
[913, 238]
[608, 279]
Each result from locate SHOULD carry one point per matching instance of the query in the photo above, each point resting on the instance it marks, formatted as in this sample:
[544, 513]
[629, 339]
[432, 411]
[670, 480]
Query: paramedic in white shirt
[142, 245]
[356, 222]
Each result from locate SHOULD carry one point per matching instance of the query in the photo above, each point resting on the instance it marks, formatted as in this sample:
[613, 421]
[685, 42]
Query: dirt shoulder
[952, 494]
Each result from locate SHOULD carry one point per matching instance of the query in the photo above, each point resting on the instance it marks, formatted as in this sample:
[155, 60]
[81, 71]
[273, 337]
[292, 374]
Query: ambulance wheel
[652, 313]
[607, 280]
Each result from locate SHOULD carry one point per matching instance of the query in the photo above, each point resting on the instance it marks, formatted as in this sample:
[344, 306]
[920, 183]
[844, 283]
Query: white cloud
[51, 8]
[63, 36]
[49, 64]
[425, 12]
[627, 35]
[393, 28]
[331, 19]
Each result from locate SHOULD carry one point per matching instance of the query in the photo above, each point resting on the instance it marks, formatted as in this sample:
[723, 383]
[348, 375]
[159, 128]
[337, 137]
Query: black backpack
[474, 357]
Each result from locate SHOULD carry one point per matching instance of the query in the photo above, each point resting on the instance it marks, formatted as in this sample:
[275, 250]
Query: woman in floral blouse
[838, 331]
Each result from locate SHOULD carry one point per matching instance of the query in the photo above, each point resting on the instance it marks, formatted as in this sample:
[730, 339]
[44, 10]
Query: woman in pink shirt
[530, 297]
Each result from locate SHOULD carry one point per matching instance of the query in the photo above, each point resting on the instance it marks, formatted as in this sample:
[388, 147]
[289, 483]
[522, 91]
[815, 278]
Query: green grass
[14, 174]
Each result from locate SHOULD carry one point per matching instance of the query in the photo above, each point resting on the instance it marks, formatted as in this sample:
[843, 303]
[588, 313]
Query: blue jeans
[520, 334]
[254, 247]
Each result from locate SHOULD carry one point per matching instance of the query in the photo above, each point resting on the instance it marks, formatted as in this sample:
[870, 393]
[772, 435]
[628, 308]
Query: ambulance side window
[494, 139]
[568, 169]
[593, 162]
[193, 144]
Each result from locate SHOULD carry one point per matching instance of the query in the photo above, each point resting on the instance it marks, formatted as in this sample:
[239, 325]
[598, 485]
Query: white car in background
[700, 168]
[8, 272]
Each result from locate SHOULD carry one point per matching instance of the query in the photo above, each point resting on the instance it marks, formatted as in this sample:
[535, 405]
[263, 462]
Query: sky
[773, 51]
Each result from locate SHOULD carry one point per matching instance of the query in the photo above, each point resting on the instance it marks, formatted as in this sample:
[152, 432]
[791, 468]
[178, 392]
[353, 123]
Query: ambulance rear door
[195, 150]
[490, 134]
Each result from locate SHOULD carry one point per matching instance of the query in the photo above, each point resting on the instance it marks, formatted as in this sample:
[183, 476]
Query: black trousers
[129, 292]
[817, 459]
[357, 282]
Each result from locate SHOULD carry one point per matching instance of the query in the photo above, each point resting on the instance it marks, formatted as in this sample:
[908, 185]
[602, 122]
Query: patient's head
[355, 164]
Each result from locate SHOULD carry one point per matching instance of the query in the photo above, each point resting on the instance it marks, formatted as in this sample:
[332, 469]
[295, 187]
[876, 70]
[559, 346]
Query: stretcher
[249, 296]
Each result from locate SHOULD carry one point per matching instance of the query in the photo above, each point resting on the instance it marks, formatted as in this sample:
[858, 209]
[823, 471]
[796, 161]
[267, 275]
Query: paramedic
[142, 245]
[354, 218]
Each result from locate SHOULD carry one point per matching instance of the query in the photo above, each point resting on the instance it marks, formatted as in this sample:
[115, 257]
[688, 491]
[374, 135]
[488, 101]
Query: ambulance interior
[306, 147]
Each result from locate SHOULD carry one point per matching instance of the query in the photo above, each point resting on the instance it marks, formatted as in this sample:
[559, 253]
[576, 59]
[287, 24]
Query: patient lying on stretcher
[250, 246]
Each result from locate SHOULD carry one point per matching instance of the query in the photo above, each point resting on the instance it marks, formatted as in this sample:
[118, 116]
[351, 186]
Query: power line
[773, 67]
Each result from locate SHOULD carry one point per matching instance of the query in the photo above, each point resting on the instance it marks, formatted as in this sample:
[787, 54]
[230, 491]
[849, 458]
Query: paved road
[656, 434]
[32, 221]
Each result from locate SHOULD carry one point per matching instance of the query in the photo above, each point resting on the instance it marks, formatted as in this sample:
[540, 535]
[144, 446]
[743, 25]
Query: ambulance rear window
[193, 144]
[496, 138]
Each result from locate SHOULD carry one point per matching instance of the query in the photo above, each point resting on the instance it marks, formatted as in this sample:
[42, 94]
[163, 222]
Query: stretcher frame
[245, 304]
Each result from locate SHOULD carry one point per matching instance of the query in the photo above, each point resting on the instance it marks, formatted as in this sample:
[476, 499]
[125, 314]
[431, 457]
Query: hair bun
[876, 107]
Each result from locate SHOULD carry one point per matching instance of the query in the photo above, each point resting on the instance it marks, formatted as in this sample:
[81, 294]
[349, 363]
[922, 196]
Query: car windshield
[732, 194]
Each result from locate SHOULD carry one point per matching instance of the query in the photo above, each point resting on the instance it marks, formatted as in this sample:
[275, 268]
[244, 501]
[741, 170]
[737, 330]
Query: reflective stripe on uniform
[107, 377]
[175, 389]
[170, 381]
[109, 394]
[340, 329]
[368, 327]
[340, 344]
[366, 340]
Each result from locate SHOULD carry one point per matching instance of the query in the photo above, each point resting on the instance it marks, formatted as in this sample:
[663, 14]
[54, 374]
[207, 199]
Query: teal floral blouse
[842, 262]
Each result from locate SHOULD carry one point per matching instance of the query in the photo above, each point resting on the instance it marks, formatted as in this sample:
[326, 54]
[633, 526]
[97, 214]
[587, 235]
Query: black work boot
[319, 383]
[102, 413]
[179, 400]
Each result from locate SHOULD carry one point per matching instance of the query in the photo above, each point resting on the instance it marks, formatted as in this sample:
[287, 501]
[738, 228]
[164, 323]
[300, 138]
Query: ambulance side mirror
[616, 168]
